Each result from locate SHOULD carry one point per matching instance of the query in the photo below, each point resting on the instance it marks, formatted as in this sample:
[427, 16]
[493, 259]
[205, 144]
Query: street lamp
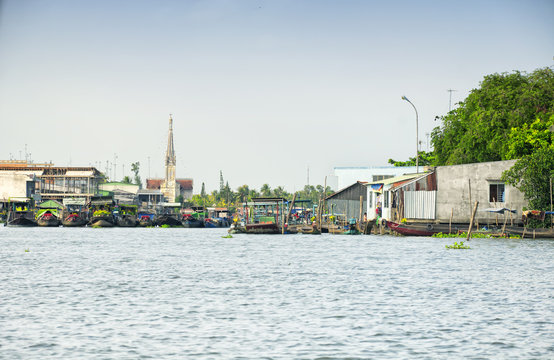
[416, 134]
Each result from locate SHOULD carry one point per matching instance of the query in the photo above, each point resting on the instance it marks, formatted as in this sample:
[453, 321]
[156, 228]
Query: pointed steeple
[170, 153]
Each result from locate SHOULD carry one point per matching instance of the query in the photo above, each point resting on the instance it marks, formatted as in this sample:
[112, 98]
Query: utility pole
[450, 100]
[114, 166]
[308, 177]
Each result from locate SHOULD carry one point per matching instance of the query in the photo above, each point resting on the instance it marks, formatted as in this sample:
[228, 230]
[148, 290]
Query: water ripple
[184, 293]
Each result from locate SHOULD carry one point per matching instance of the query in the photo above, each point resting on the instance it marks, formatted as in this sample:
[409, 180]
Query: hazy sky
[258, 89]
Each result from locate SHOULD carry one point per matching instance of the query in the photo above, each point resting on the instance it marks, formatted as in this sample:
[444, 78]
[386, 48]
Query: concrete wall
[453, 184]
[13, 184]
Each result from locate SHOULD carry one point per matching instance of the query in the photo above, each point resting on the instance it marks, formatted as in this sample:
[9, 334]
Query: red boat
[421, 229]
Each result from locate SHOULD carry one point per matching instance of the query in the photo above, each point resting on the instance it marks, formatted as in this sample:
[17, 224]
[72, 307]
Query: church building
[171, 187]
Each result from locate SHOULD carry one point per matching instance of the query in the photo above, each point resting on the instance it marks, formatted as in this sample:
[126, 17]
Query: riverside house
[447, 193]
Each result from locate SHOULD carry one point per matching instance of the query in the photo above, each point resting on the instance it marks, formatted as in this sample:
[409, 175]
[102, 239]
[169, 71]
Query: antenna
[450, 100]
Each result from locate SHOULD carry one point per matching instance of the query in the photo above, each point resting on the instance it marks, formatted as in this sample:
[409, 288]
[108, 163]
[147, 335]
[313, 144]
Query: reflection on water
[182, 293]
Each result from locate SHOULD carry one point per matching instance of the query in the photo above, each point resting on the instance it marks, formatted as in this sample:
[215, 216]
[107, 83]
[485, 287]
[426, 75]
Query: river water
[189, 293]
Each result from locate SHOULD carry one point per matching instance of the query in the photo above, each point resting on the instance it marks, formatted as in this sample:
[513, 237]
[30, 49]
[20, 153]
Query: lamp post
[417, 137]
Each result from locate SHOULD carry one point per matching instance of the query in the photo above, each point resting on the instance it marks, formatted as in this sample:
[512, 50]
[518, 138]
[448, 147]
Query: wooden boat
[308, 229]
[47, 218]
[528, 233]
[145, 219]
[215, 223]
[74, 220]
[101, 209]
[189, 221]
[74, 214]
[262, 228]
[19, 215]
[102, 218]
[168, 220]
[423, 229]
[48, 213]
[126, 215]
[20, 219]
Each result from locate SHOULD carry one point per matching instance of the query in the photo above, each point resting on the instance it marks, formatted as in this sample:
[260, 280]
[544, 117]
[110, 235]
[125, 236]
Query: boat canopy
[50, 204]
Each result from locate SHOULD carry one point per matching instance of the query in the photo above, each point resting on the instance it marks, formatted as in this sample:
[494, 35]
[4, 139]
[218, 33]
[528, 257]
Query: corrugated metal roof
[395, 179]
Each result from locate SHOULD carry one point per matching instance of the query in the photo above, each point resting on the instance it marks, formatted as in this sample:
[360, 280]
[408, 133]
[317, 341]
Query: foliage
[530, 137]
[135, 168]
[126, 180]
[229, 236]
[229, 198]
[477, 130]
[425, 159]
[475, 235]
[531, 174]
[457, 246]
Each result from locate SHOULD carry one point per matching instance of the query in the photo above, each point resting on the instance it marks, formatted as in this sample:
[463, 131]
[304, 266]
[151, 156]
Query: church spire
[170, 153]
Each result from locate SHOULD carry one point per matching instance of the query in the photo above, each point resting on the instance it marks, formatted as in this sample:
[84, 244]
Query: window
[496, 193]
[385, 199]
[381, 177]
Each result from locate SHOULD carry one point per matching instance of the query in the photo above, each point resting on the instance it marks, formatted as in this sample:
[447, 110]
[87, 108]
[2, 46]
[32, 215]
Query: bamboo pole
[290, 210]
[469, 187]
[450, 223]
[471, 221]
[505, 220]
[360, 218]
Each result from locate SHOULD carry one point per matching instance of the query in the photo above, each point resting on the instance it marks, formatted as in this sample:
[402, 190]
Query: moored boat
[74, 219]
[422, 229]
[48, 219]
[101, 209]
[74, 214]
[126, 216]
[145, 219]
[168, 220]
[189, 221]
[20, 215]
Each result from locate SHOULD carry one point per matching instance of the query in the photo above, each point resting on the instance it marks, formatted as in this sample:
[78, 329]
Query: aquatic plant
[229, 236]
[165, 226]
[457, 246]
[26, 250]
[475, 235]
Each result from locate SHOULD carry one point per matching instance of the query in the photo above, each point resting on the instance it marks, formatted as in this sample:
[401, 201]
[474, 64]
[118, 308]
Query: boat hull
[168, 220]
[74, 222]
[421, 229]
[127, 221]
[269, 228]
[192, 223]
[21, 222]
[101, 221]
[48, 222]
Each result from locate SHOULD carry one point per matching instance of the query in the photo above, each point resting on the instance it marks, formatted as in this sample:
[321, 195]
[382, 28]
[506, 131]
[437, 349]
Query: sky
[263, 91]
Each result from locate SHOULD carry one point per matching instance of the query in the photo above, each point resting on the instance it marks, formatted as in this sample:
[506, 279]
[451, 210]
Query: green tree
[135, 168]
[126, 180]
[425, 159]
[476, 131]
[265, 190]
[530, 137]
[242, 193]
[531, 174]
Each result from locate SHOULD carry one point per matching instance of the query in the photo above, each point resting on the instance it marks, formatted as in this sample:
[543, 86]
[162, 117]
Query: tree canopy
[479, 128]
